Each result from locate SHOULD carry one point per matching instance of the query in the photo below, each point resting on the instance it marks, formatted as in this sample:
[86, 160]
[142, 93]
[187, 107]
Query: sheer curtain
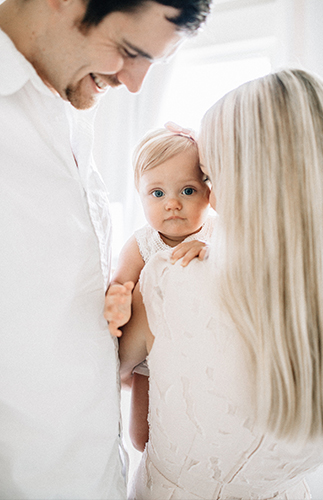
[300, 34]
[122, 119]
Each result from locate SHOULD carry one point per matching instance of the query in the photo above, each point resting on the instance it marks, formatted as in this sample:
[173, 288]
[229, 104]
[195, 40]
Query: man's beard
[78, 100]
[76, 96]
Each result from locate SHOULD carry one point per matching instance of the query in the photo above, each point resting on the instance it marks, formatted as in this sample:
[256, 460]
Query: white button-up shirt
[59, 391]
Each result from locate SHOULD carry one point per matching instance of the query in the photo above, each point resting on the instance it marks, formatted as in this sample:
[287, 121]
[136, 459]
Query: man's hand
[117, 308]
[188, 250]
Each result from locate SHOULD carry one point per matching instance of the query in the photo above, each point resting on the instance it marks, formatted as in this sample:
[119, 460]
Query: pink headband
[178, 130]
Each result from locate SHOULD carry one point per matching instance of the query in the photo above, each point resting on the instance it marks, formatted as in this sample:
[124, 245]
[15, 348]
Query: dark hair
[192, 12]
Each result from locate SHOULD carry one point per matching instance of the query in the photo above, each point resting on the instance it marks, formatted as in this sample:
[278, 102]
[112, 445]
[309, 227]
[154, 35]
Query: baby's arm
[130, 263]
[189, 250]
[117, 310]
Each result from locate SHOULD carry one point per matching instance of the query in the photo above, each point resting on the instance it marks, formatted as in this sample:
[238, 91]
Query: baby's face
[175, 197]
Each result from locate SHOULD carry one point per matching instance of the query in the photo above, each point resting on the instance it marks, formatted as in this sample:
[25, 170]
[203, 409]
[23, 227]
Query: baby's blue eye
[188, 191]
[158, 193]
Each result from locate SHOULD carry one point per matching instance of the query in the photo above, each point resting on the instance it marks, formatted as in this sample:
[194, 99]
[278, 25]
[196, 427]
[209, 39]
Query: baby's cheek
[212, 199]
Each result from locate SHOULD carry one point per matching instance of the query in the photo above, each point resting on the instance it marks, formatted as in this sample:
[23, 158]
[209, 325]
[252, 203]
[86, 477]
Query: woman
[236, 352]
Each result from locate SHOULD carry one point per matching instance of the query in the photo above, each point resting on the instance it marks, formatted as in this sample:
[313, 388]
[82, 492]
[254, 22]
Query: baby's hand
[189, 250]
[117, 308]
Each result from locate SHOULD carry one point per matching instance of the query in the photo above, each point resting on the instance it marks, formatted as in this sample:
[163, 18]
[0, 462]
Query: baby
[175, 197]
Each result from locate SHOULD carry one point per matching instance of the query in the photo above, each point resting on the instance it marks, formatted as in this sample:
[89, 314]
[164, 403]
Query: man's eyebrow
[140, 52]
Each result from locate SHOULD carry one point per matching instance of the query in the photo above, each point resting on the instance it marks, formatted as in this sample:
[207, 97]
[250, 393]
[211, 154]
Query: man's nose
[133, 73]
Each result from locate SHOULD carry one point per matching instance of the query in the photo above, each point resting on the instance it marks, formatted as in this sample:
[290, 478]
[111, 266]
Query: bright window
[194, 88]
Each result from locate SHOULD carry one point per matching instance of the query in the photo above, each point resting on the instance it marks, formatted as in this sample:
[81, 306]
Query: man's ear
[59, 5]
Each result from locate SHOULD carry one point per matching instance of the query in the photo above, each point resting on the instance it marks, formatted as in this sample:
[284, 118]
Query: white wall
[300, 33]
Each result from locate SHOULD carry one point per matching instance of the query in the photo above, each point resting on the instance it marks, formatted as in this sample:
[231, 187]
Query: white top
[203, 441]
[149, 240]
[59, 393]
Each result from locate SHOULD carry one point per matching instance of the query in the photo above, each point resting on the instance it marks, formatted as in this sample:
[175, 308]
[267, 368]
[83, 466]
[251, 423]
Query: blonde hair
[156, 147]
[263, 146]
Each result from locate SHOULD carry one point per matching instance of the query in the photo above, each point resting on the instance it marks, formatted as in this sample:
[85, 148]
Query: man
[59, 394]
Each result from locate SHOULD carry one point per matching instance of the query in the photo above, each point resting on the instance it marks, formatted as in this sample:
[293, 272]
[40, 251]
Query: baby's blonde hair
[263, 146]
[158, 146]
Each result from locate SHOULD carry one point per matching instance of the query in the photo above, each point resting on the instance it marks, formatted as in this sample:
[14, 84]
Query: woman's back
[204, 442]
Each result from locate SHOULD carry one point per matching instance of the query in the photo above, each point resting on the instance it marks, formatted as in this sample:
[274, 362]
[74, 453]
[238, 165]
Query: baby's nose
[173, 204]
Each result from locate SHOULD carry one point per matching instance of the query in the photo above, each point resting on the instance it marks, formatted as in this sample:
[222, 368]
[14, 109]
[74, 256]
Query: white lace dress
[203, 441]
[150, 242]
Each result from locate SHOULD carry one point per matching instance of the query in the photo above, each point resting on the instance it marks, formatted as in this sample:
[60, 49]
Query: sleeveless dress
[150, 242]
[203, 442]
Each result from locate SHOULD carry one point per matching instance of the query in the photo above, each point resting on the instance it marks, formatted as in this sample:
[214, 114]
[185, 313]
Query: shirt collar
[15, 70]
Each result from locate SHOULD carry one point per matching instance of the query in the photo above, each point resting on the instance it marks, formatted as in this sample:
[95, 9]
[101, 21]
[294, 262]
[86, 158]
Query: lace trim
[150, 242]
